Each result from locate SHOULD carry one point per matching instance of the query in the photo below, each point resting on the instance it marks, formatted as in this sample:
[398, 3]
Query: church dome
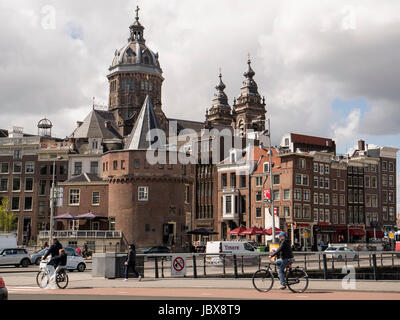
[135, 55]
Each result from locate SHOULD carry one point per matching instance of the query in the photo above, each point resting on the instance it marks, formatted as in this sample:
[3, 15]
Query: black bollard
[156, 267]
[374, 267]
[325, 266]
[194, 267]
[204, 265]
[235, 270]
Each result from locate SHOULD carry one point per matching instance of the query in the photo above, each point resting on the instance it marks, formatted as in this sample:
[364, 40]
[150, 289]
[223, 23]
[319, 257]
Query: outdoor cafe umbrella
[237, 231]
[253, 231]
[202, 231]
[65, 216]
[89, 216]
[269, 231]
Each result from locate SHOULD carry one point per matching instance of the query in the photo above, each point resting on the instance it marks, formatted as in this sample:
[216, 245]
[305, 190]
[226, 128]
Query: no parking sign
[178, 265]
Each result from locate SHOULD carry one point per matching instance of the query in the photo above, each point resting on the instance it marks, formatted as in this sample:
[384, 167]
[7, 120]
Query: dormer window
[233, 157]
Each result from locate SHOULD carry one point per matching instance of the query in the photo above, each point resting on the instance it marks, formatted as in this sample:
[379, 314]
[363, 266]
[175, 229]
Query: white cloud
[305, 54]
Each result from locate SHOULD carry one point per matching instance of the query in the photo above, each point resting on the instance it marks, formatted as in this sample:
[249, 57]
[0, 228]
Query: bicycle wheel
[263, 280]
[62, 279]
[297, 280]
[42, 279]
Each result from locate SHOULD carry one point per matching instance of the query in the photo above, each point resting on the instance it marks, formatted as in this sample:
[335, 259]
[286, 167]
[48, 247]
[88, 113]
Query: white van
[238, 248]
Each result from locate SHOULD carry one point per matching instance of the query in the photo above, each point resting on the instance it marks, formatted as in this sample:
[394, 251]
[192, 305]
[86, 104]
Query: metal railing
[86, 234]
[375, 265]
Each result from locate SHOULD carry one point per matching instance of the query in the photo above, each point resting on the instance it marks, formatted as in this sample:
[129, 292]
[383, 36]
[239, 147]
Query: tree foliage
[7, 219]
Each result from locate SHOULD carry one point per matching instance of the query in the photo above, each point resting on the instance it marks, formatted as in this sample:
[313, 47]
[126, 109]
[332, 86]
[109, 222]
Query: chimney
[361, 145]
[79, 123]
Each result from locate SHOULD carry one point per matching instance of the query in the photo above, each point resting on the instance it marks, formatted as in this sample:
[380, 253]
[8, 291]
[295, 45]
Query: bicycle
[296, 278]
[43, 276]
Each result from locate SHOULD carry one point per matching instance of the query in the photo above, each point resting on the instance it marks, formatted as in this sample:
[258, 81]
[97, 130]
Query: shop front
[302, 236]
[325, 233]
[357, 234]
[341, 235]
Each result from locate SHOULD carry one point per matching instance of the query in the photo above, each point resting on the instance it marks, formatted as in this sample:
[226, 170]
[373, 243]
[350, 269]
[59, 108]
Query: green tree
[7, 219]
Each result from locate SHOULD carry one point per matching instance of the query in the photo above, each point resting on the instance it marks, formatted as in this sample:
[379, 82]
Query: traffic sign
[267, 195]
[178, 265]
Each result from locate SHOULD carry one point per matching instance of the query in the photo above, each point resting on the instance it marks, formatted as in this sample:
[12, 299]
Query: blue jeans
[282, 263]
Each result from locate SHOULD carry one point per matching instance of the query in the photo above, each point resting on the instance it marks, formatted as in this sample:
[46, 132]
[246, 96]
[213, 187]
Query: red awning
[341, 228]
[302, 224]
[237, 231]
[269, 231]
[379, 234]
[357, 232]
[324, 223]
[253, 231]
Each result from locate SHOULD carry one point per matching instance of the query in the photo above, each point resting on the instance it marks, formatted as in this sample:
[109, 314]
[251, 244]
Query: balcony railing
[87, 234]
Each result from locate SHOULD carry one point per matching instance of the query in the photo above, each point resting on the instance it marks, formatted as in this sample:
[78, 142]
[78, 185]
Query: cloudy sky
[329, 68]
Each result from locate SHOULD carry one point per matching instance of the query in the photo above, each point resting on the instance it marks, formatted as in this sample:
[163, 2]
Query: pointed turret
[143, 136]
[249, 108]
[220, 112]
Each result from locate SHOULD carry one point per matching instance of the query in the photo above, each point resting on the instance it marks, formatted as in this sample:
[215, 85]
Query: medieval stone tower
[135, 72]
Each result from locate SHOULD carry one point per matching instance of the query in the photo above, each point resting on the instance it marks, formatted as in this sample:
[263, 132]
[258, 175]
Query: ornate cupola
[136, 29]
[249, 108]
[134, 73]
[220, 112]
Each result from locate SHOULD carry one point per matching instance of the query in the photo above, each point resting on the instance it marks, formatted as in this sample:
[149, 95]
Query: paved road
[32, 293]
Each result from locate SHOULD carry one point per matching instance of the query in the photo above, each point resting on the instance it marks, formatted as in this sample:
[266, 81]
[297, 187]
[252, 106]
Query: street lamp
[52, 198]
[267, 133]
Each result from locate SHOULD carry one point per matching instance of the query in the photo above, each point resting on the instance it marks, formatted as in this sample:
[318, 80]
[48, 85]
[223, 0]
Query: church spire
[249, 85]
[136, 29]
[220, 96]
[220, 113]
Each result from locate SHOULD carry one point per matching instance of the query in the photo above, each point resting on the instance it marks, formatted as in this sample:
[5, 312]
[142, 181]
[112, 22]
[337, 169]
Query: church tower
[249, 109]
[134, 73]
[220, 112]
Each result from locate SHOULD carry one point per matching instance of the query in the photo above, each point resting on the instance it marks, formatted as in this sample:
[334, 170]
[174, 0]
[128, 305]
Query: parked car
[15, 256]
[157, 249]
[340, 252]
[74, 261]
[3, 290]
[35, 257]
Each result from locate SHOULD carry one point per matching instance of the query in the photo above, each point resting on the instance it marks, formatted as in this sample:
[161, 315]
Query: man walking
[131, 262]
[286, 255]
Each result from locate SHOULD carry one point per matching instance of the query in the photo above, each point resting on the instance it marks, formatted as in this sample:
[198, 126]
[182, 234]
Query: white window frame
[77, 196]
[93, 197]
[29, 164]
[145, 193]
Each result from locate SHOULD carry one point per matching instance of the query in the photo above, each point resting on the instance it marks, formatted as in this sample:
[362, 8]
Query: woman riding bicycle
[286, 256]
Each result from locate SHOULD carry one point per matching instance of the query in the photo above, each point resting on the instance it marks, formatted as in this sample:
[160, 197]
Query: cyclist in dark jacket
[59, 260]
[55, 263]
[286, 255]
[131, 262]
[54, 249]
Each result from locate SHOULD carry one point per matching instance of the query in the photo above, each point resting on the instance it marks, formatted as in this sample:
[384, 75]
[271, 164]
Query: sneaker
[140, 277]
[282, 287]
[125, 279]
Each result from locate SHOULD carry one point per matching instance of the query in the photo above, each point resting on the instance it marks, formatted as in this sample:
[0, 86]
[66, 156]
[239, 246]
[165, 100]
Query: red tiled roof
[318, 141]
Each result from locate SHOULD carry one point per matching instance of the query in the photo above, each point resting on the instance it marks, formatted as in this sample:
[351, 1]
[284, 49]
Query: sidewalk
[85, 280]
